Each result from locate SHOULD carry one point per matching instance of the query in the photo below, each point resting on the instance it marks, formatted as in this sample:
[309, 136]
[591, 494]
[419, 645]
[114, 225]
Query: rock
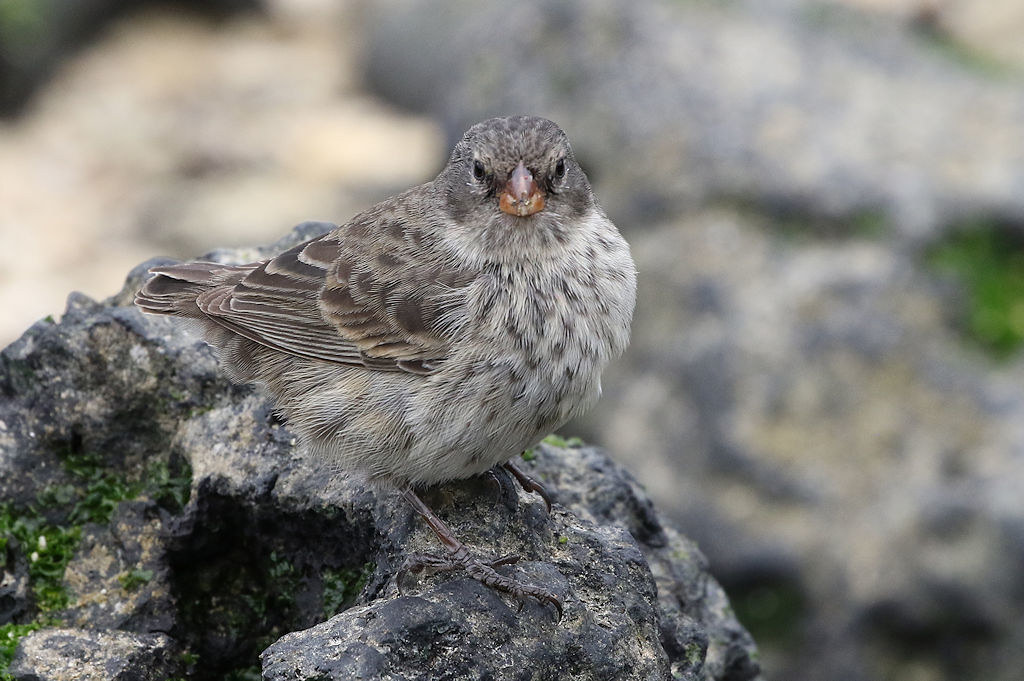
[638, 600]
[75, 654]
[808, 417]
[119, 575]
[200, 536]
[14, 594]
[814, 111]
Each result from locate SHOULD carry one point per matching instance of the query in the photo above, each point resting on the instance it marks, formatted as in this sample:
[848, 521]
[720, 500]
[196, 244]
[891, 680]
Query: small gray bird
[441, 332]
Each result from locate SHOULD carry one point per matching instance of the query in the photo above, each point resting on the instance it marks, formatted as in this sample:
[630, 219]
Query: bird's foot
[429, 562]
[459, 558]
[484, 572]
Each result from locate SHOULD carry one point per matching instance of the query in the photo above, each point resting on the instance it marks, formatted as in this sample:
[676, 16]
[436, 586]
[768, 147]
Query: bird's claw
[482, 571]
[528, 483]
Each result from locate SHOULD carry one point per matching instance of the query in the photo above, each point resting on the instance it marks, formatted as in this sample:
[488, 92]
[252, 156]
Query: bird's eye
[479, 172]
[560, 168]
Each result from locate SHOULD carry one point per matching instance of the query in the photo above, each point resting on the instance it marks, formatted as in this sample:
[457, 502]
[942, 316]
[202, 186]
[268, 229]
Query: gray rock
[115, 408]
[638, 599]
[76, 654]
[14, 593]
[854, 474]
[807, 111]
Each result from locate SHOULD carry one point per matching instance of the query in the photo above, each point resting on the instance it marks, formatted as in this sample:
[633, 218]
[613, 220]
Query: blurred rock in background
[826, 204]
[36, 35]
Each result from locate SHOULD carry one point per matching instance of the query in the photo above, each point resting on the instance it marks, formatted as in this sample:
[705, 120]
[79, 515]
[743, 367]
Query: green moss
[187, 663]
[556, 440]
[92, 494]
[170, 489]
[47, 565]
[694, 655]
[9, 636]
[989, 261]
[133, 579]
[47, 548]
[49, 531]
[247, 600]
[96, 490]
[286, 580]
[342, 586]
[100, 496]
[243, 602]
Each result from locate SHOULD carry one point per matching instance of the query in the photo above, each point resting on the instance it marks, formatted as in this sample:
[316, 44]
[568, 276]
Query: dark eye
[479, 172]
[560, 168]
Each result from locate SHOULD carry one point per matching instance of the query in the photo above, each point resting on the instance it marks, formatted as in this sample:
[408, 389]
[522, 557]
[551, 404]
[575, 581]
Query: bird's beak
[521, 195]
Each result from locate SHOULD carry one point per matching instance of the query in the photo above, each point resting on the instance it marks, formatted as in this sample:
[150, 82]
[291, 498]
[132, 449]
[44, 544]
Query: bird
[438, 334]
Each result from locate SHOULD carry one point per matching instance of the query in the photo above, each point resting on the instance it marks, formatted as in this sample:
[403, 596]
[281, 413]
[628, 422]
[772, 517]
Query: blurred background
[825, 201]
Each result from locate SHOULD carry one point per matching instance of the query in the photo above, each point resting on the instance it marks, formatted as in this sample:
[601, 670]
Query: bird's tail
[174, 289]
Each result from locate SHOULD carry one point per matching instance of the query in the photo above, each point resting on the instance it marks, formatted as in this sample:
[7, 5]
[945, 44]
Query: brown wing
[353, 296]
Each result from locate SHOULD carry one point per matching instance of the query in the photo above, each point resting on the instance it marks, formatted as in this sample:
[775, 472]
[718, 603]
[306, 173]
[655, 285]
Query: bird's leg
[528, 483]
[459, 558]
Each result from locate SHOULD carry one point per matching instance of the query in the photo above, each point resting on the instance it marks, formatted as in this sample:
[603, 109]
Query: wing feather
[350, 297]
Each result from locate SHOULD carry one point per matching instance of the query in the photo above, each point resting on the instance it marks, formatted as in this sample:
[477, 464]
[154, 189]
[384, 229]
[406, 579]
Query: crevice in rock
[245, 573]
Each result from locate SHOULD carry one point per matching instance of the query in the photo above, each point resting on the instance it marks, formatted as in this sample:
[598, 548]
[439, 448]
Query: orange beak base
[521, 195]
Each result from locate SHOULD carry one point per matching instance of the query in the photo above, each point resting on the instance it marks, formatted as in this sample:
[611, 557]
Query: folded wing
[341, 298]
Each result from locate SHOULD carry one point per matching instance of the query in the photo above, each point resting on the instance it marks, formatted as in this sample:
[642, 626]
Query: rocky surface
[798, 397]
[627, 585]
[197, 537]
[70, 654]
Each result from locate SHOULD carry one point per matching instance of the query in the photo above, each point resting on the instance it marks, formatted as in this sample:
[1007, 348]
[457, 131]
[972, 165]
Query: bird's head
[515, 173]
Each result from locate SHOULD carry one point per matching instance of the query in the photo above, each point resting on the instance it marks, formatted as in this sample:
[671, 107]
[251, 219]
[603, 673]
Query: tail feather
[174, 289]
